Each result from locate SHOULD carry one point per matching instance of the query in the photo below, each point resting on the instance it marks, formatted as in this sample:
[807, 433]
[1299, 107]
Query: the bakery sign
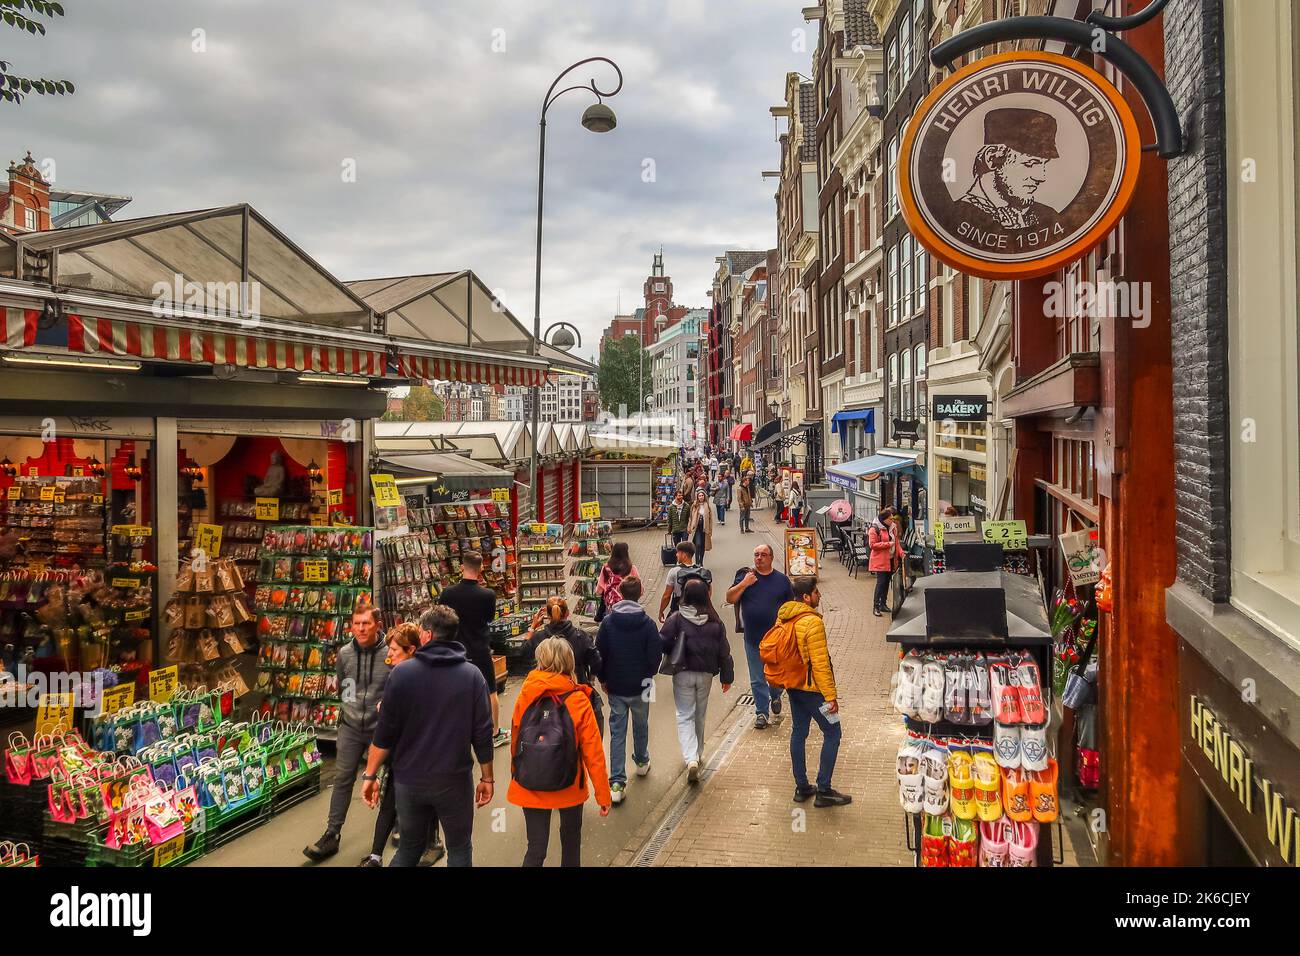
[1018, 164]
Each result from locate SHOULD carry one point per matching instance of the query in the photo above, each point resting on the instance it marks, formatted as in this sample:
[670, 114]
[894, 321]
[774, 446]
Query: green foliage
[23, 15]
[616, 377]
[421, 405]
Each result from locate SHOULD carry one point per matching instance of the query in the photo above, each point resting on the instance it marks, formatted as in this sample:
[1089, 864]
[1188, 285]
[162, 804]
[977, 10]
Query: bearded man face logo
[1019, 145]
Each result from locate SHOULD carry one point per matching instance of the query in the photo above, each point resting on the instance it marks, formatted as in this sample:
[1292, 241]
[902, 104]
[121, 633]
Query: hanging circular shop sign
[1017, 165]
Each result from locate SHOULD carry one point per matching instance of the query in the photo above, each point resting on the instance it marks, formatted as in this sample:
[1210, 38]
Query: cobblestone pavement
[742, 812]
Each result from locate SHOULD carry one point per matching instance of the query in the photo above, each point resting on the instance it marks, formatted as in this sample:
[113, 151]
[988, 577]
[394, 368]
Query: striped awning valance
[465, 370]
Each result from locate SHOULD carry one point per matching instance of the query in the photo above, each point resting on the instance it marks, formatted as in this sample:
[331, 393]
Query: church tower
[658, 290]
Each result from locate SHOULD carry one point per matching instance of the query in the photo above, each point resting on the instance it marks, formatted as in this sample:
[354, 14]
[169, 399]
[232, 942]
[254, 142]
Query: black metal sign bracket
[1095, 34]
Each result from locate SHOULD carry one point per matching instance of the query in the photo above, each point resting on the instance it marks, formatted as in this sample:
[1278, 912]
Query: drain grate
[746, 700]
[673, 818]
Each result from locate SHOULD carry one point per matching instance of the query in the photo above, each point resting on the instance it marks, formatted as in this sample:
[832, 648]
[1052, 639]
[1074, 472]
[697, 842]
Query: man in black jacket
[476, 607]
[629, 647]
[435, 711]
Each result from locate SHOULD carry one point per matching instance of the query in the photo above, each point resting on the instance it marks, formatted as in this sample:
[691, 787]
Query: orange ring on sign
[1028, 269]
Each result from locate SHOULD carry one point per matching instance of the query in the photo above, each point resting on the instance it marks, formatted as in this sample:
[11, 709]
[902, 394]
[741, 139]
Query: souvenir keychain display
[482, 526]
[589, 549]
[310, 580]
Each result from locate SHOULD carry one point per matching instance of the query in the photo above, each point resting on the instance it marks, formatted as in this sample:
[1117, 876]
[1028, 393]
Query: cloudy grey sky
[442, 128]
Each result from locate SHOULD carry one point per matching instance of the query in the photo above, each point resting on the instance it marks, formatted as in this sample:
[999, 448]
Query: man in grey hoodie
[629, 648]
[363, 672]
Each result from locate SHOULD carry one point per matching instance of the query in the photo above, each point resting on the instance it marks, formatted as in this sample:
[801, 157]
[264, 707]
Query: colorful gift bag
[162, 821]
[18, 759]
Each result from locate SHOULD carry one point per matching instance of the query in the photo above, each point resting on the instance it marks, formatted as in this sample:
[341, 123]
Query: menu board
[801, 552]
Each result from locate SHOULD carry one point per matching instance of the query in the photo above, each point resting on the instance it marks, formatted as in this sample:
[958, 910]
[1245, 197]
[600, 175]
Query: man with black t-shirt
[759, 592]
[476, 607]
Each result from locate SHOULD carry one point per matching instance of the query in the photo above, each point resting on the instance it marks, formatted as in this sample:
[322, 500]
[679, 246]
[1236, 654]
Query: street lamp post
[598, 118]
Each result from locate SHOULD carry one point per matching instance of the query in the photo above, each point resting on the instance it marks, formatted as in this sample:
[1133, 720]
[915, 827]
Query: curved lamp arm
[552, 96]
[1120, 24]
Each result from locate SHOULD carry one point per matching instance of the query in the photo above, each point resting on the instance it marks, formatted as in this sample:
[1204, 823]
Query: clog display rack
[977, 781]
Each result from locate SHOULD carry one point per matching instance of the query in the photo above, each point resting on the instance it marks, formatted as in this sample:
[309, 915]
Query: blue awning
[867, 415]
[849, 472]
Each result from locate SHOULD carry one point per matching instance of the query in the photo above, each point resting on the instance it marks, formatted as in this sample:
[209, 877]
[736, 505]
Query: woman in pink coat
[884, 546]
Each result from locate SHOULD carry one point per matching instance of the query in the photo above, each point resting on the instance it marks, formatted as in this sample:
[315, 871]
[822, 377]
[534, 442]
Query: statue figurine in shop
[272, 485]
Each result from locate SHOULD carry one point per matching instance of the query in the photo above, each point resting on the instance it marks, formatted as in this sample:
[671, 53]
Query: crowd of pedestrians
[421, 709]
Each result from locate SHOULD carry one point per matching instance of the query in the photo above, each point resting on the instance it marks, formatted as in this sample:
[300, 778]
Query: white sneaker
[643, 768]
[616, 792]
[693, 772]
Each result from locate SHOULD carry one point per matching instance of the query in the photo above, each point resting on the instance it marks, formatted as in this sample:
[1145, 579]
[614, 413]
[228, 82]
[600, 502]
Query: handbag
[674, 661]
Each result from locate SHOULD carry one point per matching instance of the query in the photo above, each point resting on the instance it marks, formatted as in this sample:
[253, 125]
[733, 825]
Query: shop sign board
[117, 698]
[1018, 164]
[207, 537]
[1012, 535]
[162, 683]
[959, 408]
[268, 509]
[1082, 557]
[1251, 770]
[54, 713]
[589, 510]
[385, 488]
[850, 483]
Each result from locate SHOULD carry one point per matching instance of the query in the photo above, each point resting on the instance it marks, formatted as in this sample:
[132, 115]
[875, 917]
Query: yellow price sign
[54, 713]
[938, 536]
[385, 488]
[165, 853]
[60, 496]
[97, 499]
[78, 471]
[162, 683]
[47, 492]
[336, 496]
[133, 530]
[117, 698]
[33, 472]
[537, 527]
[125, 582]
[1012, 535]
[589, 510]
[316, 570]
[14, 493]
[268, 509]
[140, 615]
[501, 496]
[207, 537]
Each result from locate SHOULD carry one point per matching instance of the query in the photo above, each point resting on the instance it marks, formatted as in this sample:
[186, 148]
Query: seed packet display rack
[589, 549]
[937, 645]
[310, 580]
[540, 564]
[481, 525]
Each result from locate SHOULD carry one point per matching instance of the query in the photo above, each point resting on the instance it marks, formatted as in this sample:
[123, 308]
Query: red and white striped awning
[173, 344]
[20, 328]
[465, 370]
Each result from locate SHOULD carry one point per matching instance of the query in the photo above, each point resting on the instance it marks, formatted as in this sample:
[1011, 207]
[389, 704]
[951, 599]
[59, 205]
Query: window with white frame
[1263, 89]
[891, 64]
[905, 374]
[922, 405]
[893, 177]
[905, 48]
[920, 274]
[895, 303]
[894, 409]
[905, 254]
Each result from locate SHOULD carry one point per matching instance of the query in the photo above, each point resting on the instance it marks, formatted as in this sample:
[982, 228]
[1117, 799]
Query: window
[922, 405]
[1262, 80]
[893, 177]
[920, 273]
[891, 64]
[906, 376]
[29, 217]
[905, 48]
[894, 303]
[894, 410]
[906, 255]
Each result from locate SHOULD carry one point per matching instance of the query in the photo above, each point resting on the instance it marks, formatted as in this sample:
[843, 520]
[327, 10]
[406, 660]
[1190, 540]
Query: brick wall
[1198, 257]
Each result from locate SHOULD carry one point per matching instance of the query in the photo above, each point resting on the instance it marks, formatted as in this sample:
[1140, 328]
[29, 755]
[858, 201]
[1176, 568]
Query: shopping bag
[18, 759]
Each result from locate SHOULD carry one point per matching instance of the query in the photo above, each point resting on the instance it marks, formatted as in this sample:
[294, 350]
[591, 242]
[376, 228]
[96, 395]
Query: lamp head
[563, 339]
[599, 118]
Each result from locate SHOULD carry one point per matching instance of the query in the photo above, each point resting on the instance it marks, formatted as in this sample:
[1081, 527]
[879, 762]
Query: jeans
[805, 707]
[744, 519]
[450, 801]
[679, 537]
[691, 697]
[763, 693]
[795, 514]
[349, 752]
[699, 545]
[882, 589]
[386, 821]
[537, 823]
[722, 512]
[619, 708]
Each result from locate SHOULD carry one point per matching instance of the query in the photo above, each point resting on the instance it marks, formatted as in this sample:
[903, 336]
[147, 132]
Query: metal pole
[640, 372]
[537, 318]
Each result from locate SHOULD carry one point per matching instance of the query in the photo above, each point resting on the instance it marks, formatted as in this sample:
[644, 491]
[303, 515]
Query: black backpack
[546, 758]
[694, 574]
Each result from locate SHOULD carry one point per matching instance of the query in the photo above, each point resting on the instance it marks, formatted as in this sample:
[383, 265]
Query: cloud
[442, 126]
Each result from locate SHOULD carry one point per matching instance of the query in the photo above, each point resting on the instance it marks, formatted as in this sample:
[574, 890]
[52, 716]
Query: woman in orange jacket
[553, 678]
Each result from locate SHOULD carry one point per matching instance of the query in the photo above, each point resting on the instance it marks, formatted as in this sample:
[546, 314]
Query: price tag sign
[207, 537]
[117, 698]
[336, 496]
[162, 683]
[97, 499]
[47, 492]
[537, 527]
[60, 496]
[590, 510]
[268, 509]
[164, 853]
[542, 547]
[32, 472]
[125, 582]
[78, 471]
[666, 470]
[14, 493]
[140, 615]
[1012, 535]
[938, 536]
[133, 530]
[385, 488]
[54, 713]
[501, 496]
[316, 570]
